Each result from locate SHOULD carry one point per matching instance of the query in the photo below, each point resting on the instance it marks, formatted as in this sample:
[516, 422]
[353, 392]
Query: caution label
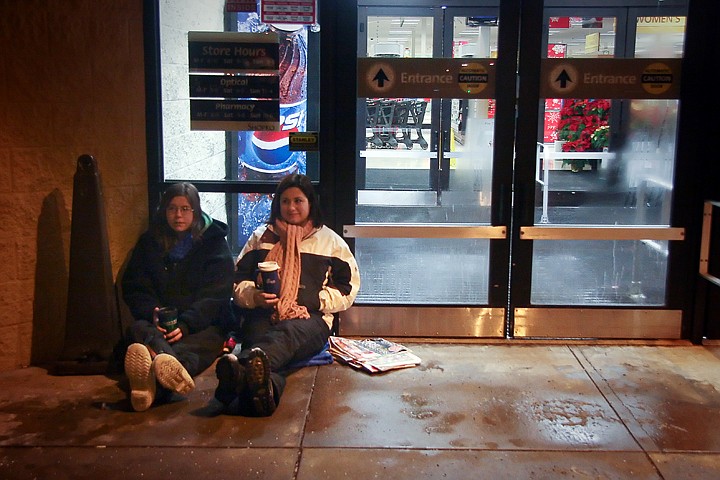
[657, 78]
[473, 78]
[303, 141]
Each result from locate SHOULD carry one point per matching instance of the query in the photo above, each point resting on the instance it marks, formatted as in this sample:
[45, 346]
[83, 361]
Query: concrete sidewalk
[468, 411]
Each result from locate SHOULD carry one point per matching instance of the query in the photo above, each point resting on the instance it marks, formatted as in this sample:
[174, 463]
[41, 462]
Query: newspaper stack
[372, 354]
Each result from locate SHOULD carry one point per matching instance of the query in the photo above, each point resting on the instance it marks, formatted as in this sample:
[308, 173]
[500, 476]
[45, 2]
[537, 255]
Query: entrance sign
[426, 77]
[642, 78]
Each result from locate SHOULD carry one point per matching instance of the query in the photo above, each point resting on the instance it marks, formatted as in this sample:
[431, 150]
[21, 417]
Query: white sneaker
[138, 368]
[172, 375]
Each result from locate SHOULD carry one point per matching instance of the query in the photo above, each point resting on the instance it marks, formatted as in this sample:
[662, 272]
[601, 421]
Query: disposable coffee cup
[270, 274]
[168, 318]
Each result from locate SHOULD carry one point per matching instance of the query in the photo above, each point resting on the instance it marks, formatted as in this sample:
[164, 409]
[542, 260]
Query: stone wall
[71, 82]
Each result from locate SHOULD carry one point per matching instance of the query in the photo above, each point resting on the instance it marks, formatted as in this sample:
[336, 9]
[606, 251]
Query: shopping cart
[379, 120]
[391, 122]
[414, 123]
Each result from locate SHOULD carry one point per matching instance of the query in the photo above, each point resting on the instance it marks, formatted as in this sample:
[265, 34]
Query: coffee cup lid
[268, 266]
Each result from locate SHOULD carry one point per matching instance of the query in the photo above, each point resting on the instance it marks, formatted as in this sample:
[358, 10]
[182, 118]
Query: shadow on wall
[126, 318]
[76, 325]
[51, 284]
[51, 280]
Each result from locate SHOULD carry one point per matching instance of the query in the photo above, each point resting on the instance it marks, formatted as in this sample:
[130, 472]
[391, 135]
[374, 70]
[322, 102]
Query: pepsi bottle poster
[266, 155]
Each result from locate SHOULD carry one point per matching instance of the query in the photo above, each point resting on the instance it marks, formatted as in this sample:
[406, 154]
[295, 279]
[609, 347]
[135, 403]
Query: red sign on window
[556, 50]
[559, 22]
[288, 11]
[240, 5]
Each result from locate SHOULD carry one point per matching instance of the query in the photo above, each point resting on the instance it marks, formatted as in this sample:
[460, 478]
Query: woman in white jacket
[318, 277]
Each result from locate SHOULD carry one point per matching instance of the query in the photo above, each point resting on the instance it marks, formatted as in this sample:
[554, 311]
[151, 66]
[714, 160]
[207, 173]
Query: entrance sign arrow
[381, 78]
[563, 78]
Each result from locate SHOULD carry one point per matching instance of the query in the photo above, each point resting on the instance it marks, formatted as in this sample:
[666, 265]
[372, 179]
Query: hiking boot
[229, 374]
[138, 368]
[172, 375]
[257, 378]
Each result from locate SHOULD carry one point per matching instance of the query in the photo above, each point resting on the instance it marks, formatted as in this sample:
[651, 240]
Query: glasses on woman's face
[172, 209]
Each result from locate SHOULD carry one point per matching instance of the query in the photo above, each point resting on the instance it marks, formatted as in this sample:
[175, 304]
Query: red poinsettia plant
[579, 120]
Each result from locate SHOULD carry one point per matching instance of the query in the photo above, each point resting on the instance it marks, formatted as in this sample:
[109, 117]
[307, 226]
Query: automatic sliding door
[589, 189]
[422, 231]
[604, 184]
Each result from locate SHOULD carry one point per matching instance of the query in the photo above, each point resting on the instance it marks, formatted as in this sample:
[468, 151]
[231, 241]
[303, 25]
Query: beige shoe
[172, 375]
[138, 368]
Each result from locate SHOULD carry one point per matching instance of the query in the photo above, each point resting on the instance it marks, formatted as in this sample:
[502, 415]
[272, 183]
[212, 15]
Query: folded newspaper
[372, 354]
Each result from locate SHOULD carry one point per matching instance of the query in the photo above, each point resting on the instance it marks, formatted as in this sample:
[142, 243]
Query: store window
[235, 171]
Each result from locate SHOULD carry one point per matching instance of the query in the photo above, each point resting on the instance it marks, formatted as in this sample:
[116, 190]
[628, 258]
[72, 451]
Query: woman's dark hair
[165, 235]
[303, 183]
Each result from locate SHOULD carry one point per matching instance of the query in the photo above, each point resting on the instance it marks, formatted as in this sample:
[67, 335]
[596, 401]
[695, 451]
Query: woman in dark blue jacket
[182, 261]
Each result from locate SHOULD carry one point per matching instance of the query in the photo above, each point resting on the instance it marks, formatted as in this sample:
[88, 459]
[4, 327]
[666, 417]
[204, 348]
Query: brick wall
[71, 82]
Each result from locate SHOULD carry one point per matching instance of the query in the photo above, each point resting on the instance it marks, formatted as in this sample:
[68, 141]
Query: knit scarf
[286, 253]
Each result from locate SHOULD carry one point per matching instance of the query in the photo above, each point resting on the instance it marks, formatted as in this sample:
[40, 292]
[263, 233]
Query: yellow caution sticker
[656, 78]
[472, 78]
[303, 141]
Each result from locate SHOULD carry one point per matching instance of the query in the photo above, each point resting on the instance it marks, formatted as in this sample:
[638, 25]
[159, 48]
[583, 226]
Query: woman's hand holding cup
[167, 323]
[265, 300]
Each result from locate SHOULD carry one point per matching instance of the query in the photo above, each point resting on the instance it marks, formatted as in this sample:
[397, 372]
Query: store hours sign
[234, 81]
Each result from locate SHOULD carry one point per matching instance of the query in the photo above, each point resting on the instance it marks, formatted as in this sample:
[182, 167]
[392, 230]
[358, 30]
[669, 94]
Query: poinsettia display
[579, 121]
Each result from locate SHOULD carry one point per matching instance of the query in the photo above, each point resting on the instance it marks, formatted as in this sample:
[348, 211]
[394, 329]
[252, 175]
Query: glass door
[423, 227]
[536, 205]
[600, 239]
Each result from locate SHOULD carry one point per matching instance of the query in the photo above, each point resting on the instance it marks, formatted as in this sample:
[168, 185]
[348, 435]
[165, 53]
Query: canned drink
[168, 318]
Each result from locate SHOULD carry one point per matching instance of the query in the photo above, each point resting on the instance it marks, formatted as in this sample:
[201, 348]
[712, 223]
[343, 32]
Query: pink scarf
[286, 253]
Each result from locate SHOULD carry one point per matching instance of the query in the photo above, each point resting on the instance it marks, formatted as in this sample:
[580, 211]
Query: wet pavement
[497, 410]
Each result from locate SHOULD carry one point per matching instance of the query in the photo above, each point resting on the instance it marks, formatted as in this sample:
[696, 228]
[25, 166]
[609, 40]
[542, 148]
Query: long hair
[303, 183]
[166, 236]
